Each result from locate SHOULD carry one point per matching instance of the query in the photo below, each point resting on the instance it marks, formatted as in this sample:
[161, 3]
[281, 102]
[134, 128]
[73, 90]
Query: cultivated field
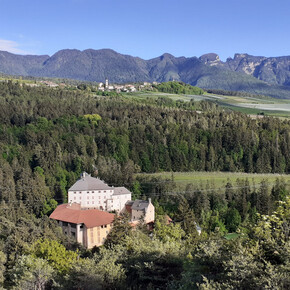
[249, 105]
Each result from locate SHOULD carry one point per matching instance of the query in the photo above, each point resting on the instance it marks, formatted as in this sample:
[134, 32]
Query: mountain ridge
[260, 75]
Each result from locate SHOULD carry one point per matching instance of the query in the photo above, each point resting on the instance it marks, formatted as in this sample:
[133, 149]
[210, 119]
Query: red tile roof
[90, 217]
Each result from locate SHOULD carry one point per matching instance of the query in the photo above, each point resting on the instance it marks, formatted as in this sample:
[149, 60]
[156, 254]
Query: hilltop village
[98, 87]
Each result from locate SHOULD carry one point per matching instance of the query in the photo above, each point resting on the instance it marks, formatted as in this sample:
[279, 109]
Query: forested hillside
[49, 136]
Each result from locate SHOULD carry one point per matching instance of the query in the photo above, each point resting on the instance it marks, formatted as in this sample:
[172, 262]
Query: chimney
[96, 171]
[149, 199]
[83, 175]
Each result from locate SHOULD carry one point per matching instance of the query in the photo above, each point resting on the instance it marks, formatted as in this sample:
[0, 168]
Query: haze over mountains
[254, 74]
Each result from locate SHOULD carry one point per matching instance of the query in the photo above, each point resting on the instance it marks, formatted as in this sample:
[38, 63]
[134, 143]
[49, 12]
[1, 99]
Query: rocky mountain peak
[210, 59]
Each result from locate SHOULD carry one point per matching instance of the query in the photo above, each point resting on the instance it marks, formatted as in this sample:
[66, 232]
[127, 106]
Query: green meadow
[216, 179]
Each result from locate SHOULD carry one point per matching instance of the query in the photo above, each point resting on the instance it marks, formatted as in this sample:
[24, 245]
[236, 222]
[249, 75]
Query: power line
[156, 194]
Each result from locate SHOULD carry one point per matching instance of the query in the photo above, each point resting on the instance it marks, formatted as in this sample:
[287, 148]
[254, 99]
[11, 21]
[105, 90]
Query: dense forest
[49, 136]
[178, 88]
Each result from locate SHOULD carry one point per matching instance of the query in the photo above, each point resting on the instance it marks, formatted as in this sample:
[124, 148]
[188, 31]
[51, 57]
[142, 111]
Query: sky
[147, 28]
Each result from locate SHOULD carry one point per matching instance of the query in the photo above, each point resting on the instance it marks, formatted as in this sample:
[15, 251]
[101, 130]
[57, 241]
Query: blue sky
[147, 28]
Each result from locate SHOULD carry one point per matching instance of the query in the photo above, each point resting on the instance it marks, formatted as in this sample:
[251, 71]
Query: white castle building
[91, 192]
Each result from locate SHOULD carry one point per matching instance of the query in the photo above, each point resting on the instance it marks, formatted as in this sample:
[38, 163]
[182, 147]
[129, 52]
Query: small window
[99, 191]
[64, 224]
[88, 202]
[73, 226]
[105, 226]
[73, 234]
[75, 198]
[102, 226]
[80, 192]
[88, 192]
[104, 191]
[75, 192]
[81, 226]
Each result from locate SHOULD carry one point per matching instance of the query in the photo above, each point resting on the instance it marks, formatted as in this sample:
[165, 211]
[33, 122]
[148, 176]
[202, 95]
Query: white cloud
[11, 46]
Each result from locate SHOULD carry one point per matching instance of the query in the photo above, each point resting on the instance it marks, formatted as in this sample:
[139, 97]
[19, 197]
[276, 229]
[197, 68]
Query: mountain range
[253, 74]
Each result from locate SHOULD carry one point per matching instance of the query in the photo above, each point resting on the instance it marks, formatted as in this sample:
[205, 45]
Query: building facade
[92, 192]
[141, 210]
[86, 217]
[88, 227]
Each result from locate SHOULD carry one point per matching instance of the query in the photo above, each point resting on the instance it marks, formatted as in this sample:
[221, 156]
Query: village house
[88, 227]
[141, 210]
[91, 192]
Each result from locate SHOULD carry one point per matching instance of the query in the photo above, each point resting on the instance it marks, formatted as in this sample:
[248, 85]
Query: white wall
[120, 200]
[150, 214]
[100, 199]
